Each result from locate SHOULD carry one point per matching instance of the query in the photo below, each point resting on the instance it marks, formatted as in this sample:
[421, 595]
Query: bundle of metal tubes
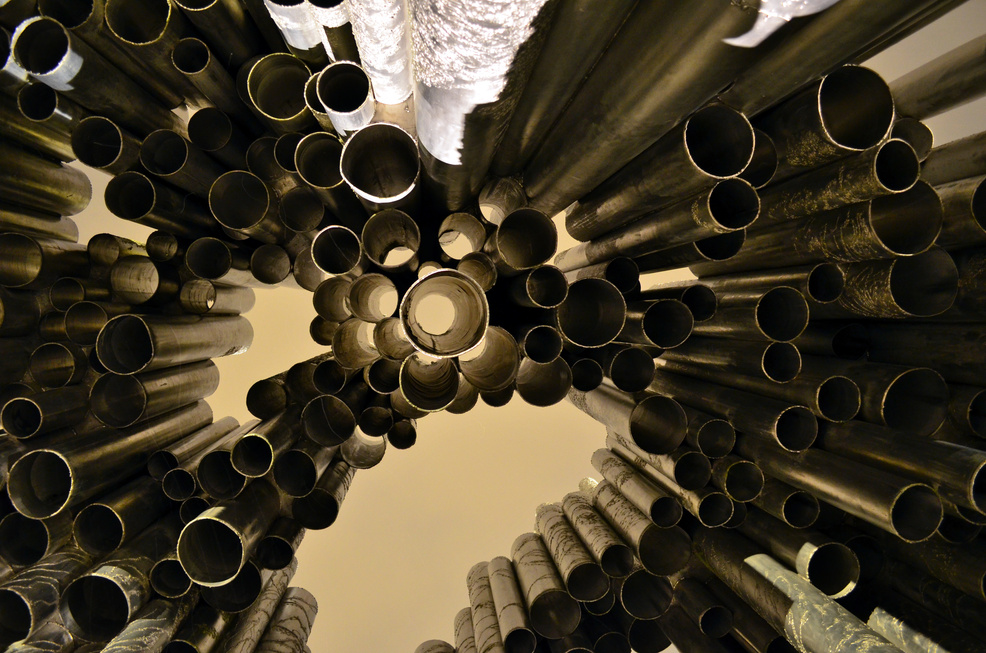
[795, 439]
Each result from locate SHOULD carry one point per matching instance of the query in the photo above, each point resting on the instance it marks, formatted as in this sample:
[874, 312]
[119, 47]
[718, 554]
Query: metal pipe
[373, 297]
[380, 163]
[695, 602]
[466, 398]
[44, 412]
[629, 368]
[41, 184]
[484, 619]
[689, 469]
[106, 524]
[916, 134]
[619, 112]
[317, 159]
[322, 331]
[643, 635]
[714, 248]
[659, 506]
[964, 221]
[239, 593]
[796, 508]
[301, 33]
[621, 271]
[37, 223]
[106, 249]
[763, 165]
[344, 91]
[912, 511]
[193, 59]
[779, 362]
[384, 46]
[31, 262]
[337, 38]
[748, 628]
[302, 211]
[593, 314]
[496, 362]
[644, 595]
[337, 250]
[319, 508]
[84, 320]
[242, 202]
[545, 286]
[292, 621]
[50, 637]
[510, 611]
[213, 132]
[948, 81]
[67, 466]
[553, 612]
[277, 549]
[35, 120]
[353, 344]
[391, 240]
[204, 297]
[903, 224]
[543, 384]
[245, 634]
[662, 551]
[583, 576]
[479, 267]
[166, 154]
[958, 159]
[201, 631]
[612, 553]
[363, 451]
[129, 344]
[777, 314]
[57, 364]
[587, 373]
[664, 323]
[254, 452]
[66, 291]
[297, 470]
[136, 197]
[741, 480]
[655, 423]
[186, 452]
[213, 470]
[331, 296]
[25, 541]
[711, 145]
[461, 234]
[444, 313]
[274, 88]
[100, 143]
[819, 284]
[303, 382]
[139, 281]
[391, 341]
[12, 75]
[428, 384]
[403, 434]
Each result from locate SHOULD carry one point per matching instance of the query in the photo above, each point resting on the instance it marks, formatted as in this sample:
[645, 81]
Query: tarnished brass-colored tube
[912, 511]
[246, 632]
[479, 267]
[664, 323]
[740, 479]
[330, 298]
[57, 364]
[916, 134]
[33, 594]
[964, 221]
[239, 593]
[748, 628]
[39, 183]
[69, 463]
[99, 143]
[33, 119]
[587, 373]
[31, 222]
[214, 546]
[227, 27]
[277, 549]
[714, 248]
[377, 418]
[952, 350]
[204, 297]
[695, 602]
[779, 362]
[709, 435]
[553, 612]
[30, 262]
[967, 408]
[255, 451]
[629, 368]
[106, 524]
[353, 344]
[403, 434]
[373, 297]
[593, 314]
[320, 507]
[778, 314]
[460, 234]
[84, 320]
[583, 576]
[612, 553]
[661, 507]
[240, 201]
[796, 508]
[540, 343]
[25, 541]
[337, 250]
[139, 281]
[166, 154]
[201, 631]
[44, 412]
[59, 58]
[791, 427]
[129, 344]
[620, 271]
[391, 240]
[662, 551]
[605, 638]
[50, 637]
[496, 365]
[211, 130]
[525, 239]
[689, 469]
[297, 470]
[643, 635]
[656, 423]
[317, 160]
[763, 165]
[66, 291]
[213, 470]
[271, 265]
[958, 159]
[273, 86]
[822, 283]
[543, 384]
[948, 81]
[545, 286]
[136, 197]
[186, 452]
[428, 384]
[215, 259]
[510, 610]
[106, 249]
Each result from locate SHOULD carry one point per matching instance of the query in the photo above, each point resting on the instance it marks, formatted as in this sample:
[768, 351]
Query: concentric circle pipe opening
[926, 284]
[782, 314]
[781, 362]
[796, 428]
[692, 470]
[897, 166]
[838, 399]
[252, 455]
[336, 250]
[381, 162]
[191, 56]
[239, 199]
[907, 223]
[37, 102]
[138, 22]
[41, 46]
[593, 314]
[744, 481]
[646, 596]
[124, 345]
[632, 369]
[657, 424]
[722, 246]
[664, 551]
[554, 614]
[719, 141]
[429, 323]
[825, 283]
[118, 400]
[330, 298]
[98, 605]
[916, 513]
[197, 296]
[716, 438]
[587, 374]
[22, 259]
[343, 87]
[317, 158]
[23, 541]
[210, 129]
[391, 238]
[276, 85]
[98, 530]
[328, 420]
[916, 401]
[210, 551]
[800, 509]
[856, 107]
[21, 417]
[833, 568]
[734, 204]
[667, 323]
[701, 301]
[428, 385]
[547, 286]
[526, 238]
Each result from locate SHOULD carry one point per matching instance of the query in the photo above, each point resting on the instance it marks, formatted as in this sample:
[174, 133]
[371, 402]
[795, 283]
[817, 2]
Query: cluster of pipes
[795, 440]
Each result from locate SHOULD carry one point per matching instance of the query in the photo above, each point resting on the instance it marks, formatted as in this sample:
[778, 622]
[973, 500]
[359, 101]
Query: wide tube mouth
[266, 398]
[716, 438]
[664, 551]
[721, 246]
[832, 567]
[645, 596]
[916, 513]
[916, 134]
[781, 362]
[525, 239]
[719, 141]
[593, 314]
[343, 87]
[118, 400]
[376, 421]
[403, 434]
[542, 343]
[337, 250]
[658, 424]
[238, 594]
[164, 152]
[23, 541]
[138, 22]
[907, 223]
[41, 45]
[496, 361]
[270, 264]
[37, 102]
[135, 279]
[252, 455]
[239, 199]
[445, 313]
[796, 428]
[169, 579]
[782, 314]
[733, 204]
[926, 284]
[125, 344]
[429, 385]
[667, 323]
[70, 13]
[380, 162]
[838, 399]
[217, 477]
[701, 301]
[276, 86]
[330, 377]
[632, 369]
[328, 420]
[587, 374]
[546, 286]
[211, 551]
[800, 509]
[99, 607]
[83, 322]
[191, 56]
[98, 530]
[461, 233]
[715, 509]
[554, 614]
[391, 238]
[916, 401]
[301, 210]
[743, 481]
[544, 384]
[130, 196]
[373, 297]
[383, 376]
[856, 107]
[896, 166]
[210, 129]
[16, 618]
[178, 484]
[330, 298]
[57, 364]
[317, 159]
[22, 417]
[623, 273]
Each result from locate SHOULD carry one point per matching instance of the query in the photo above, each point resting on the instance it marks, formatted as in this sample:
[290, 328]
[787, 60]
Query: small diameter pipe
[166, 154]
[317, 159]
[656, 423]
[605, 545]
[212, 131]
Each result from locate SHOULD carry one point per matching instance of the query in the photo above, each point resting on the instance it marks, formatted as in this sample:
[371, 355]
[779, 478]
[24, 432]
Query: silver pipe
[423, 313]
[596, 298]
[344, 91]
[35, 182]
[391, 240]
[301, 33]
[380, 163]
[337, 37]
[379, 28]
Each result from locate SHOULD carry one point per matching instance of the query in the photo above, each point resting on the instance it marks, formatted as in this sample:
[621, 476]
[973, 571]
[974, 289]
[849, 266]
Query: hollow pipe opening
[191, 56]
[252, 455]
[632, 369]
[328, 420]
[461, 233]
[23, 541]
[833, 568]
[916, 401]
[838, 399]
[70, 13]
[138, 22]
[16, 620]
[21, 259]
[855, 107]
[124, 344]
[721, 246]
[668, 323]
[587, 374]
[543, 384]
[343, 87]
[593, 314]
[41, 45]
[734, 204]
[716, 438]
[479, 267]
[21, 417]
[429, 385]
[796, 428]
[210, 551]
[781, 362]
[169, 579]
[657, 424]
[547, 286]
[317, 157]
[178, 484]
[664, 551]
[744, 481]
[402, 435]
[800, 509]
[701, 301]
[925, 284]
[54, 364]
[897, 166]
[645, 596]
[916, 513]
[907, 223]
[276, 85]
[98, 606]
[239, 199]
[373, 297]
[336, 250]
[380, 162]
[285, 149]
[976, 414]
[98, 530]
[716, 621]
[525, 239]
[782, 314]
[83, 322]
[118, 400]
[719, 141]
[763, 164]
[37, 102]
[825, 283]
[445, 313]
[217, 476]
[542, 344]
[210, 129]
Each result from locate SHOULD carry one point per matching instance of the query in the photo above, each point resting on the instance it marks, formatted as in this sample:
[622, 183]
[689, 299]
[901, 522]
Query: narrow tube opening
[23, 541]
[343, 87]
[593, 314]
[666, 512]
[825, 283]
[169, 579]
[130, 196]
[391, 238]
[526, 238]
[210, 129]
[381, 162]
[781, 362]
[22, 257]
[98, 605]
[15, 616]
[722, 246]
[402, 435]
[763, 164]
[138, 22]
[252, 455]
[542, 344]
[295, 473]
[445, 313]
[692, 470]
[734, 204]
[270, 264]
[21, 417]
[716, 438]
[632, 369]
[301, 210]
[701, 301]
[83, 322]
[916, 513]
[716, 621]
[118, 400]
[744, 481]
[328, 420]
[217, 476]
[317, 158]
[191, 56]
[239, 199]
[587, 374]
[54, 365]
[547, 286]
[554, 614]
[664, 551]
[897, 166]
[800, 509]
[37, 101]
[178, 484]
[336, 250]
[285, 149]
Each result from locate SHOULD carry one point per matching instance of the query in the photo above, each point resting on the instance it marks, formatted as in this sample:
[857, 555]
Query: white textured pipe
[379, 27]
[296, 24]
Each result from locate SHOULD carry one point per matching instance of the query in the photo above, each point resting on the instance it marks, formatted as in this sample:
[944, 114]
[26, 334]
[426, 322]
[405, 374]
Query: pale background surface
[390, 573]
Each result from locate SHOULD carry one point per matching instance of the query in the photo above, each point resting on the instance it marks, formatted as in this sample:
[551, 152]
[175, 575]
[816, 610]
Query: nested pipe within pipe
[444, 314]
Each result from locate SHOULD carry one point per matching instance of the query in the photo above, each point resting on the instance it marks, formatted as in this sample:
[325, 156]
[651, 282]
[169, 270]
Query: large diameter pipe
[190, 448]
[599, 538]
[107, 523]
[129, 344]
[320, 507]
[777, 361]
[909, 510]
[344, 92]
[593, 314]
[958, 159]
[689, 469]
[85, 465]
[255, 451]
[543, 384]
[730, 205]
[44, 412]
[25, 541]
[168, 155]
[485, 624]
[277, 549]
[274, 88]
[622, 109]
[384, 46]
[655, 423]
[964, 221]
[227, 27]
[317, 159]
[32, 263]
[584, 578]
[380, 163]
[212, 131]
[100, 143]
[57, 364]
[444, 313]
[31, 222]
[35, 120]
[553, 612]
[241, 201]
[713, 144]
[292, 621]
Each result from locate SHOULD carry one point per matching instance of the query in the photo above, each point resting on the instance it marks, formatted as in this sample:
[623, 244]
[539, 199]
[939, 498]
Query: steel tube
[135, 197]
[695, 602]
[380, 164]
[621, 271]
[820, 284]
[511, 613]
[41, 184]
[796, 508]
[254, 452]
[484, 619]
[916, 134]
[228, 28]
[273, 86]
[613, 555]
[391, 240]
[948, 81]
[553, 612]
[629, 368]
[363, 451]
[106, 524]
[35, 120]
[583, 576]
[297, 470]
[664, 323]
[714, 248]
[277, 549]
[763, 165]
[204, 297]
[336, 250]
[129, 344]
[660, 507]
[44, 412]
[344, 91]
[424, 314]
[317, 159]
[50, 637]
[188, 451]
[689, 469]
[301, 33]
[25, 541]
[240, 201]
[777, 314]
[139, 281]
[543, 384]
[964, 221]
[211, 130]
[84, 320]
[57, 364]
[403, 434]
[958, 159]
[593, 314]
[644, 595]
[777, 361]
[428, 384]
[587, 373]
[319, 508]
[656, 423]
[100, 143]
[740, 479]
[383, 376]
[31, 222]
[31, 262]
[166, 154]
[66, 291]
[545, 286]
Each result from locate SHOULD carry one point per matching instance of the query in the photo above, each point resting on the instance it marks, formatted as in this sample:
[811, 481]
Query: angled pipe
[110, 521]
[136, 197]
[319, 509]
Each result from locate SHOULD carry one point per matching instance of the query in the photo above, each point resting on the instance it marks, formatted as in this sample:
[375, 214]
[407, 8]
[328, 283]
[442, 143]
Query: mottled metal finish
[605, 545]
[203, 630]
[553, 612]
[152, 628]
[656, 423]
[465, 639]
[958, 159]
[898, 632]
[583, 576]
[685, 634]
[113, 519]
[660, 506]
[290, 624]
[251, 624]
[485, 625]
[52, 637]
[511, 612]
[321, 506]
